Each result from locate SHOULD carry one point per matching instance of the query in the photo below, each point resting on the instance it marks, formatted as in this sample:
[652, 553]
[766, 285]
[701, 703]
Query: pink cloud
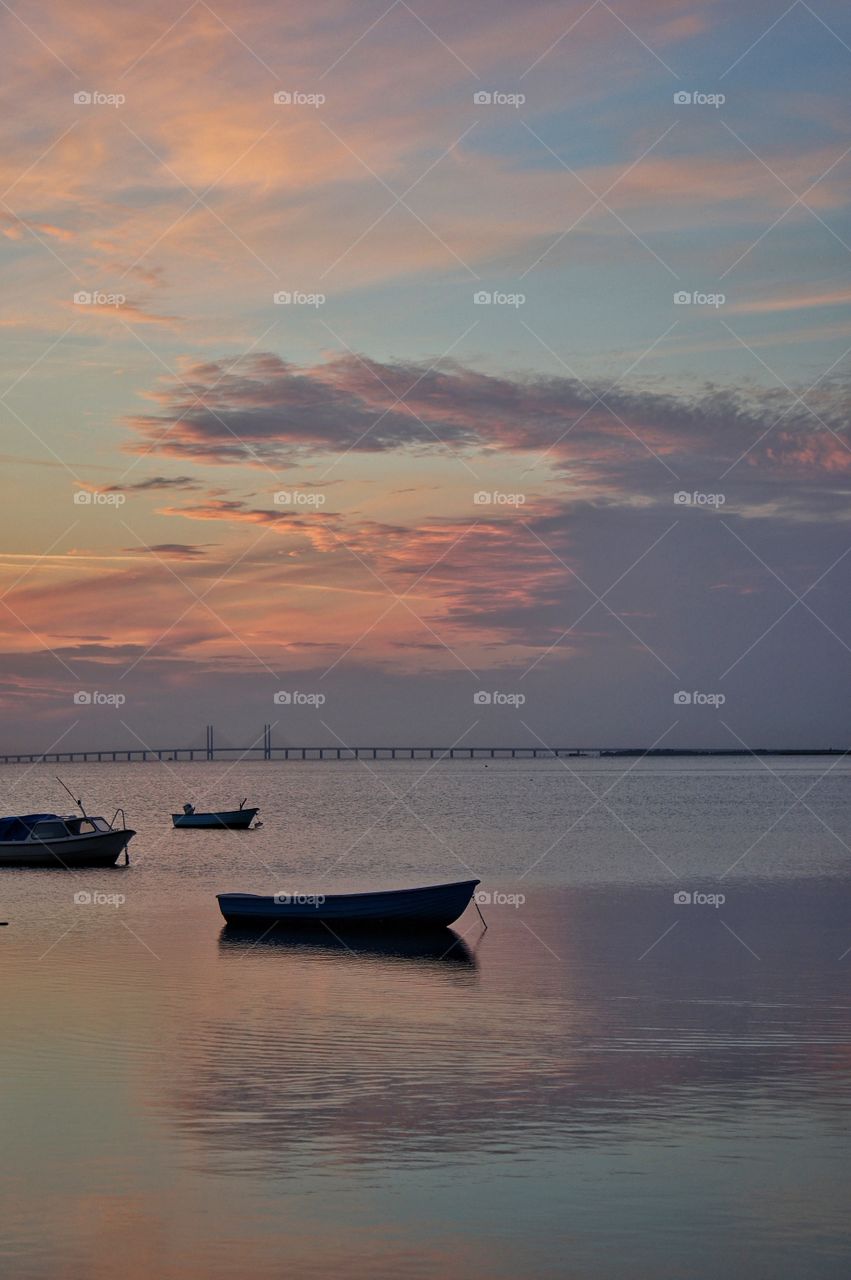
[268, 412]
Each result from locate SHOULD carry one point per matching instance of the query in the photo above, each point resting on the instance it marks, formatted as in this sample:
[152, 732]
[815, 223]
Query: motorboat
[54, 840]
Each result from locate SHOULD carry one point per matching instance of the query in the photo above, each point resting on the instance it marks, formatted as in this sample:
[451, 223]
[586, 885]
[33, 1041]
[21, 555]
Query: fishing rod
[77, 800]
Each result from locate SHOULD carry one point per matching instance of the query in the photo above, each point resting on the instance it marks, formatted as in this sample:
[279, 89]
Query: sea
[640, 1068]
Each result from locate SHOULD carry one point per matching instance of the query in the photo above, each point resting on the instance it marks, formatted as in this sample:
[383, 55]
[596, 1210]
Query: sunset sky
[213, 496]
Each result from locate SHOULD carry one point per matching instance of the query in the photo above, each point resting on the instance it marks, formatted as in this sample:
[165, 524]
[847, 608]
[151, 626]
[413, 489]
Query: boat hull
[431, 907]
[227, 820]
[102, 849]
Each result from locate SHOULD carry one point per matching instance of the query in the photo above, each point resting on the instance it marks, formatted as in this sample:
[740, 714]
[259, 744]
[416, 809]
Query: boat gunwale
[45, 841]
[218, 813]
[377, 893]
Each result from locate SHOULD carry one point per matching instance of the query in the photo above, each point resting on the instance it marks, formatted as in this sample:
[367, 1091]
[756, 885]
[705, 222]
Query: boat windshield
[87, 826]
[55, 830]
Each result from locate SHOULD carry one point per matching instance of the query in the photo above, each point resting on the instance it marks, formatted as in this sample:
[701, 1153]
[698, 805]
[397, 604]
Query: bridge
[263, 749]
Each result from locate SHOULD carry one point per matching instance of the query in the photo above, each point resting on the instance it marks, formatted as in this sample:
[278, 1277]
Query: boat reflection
[424, 947]
[331, 1051]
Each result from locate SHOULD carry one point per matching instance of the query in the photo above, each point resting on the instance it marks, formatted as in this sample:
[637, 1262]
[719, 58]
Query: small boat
[50, 840]
[225, 819]
[433, 906]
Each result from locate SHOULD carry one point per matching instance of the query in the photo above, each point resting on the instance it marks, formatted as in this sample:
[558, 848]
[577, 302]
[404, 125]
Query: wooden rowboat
[428, 907]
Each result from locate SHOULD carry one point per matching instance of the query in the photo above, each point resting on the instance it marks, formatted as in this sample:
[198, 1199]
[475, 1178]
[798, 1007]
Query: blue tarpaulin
[19, 828]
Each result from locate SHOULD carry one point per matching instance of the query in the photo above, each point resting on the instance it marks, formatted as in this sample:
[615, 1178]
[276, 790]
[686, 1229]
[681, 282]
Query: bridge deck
[269, 752]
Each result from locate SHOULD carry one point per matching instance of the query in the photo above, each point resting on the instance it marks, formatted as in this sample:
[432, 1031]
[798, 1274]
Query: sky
[425, 374]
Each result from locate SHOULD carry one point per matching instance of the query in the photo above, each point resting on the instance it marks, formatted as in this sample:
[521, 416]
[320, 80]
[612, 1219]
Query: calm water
[607, 1083]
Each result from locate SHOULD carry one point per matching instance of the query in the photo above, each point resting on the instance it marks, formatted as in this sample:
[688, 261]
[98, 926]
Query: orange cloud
[825, 297]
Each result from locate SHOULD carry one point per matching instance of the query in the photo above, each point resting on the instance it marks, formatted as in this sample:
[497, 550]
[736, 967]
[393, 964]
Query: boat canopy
[19, 828]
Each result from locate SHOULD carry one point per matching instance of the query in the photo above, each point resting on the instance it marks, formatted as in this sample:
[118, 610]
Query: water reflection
[562, 1031]
[436, 946]
[650, 1089]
